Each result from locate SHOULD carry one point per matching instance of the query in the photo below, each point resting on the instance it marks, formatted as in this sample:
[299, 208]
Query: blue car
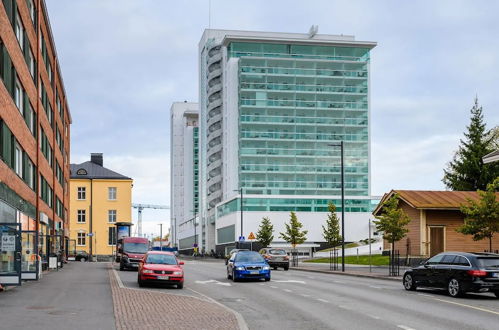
[247, 264]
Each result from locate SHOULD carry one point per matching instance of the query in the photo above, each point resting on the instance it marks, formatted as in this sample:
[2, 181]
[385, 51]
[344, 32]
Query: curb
[346, 274]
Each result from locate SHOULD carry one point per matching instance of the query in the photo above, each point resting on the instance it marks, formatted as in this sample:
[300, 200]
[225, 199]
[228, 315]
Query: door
[436, 240]
[29, 256]
[10, 254]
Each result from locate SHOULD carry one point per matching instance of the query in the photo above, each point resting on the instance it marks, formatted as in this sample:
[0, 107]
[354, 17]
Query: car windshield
[489, 262]
[249, 257]
[136, 247]
[163, 259]
[278, 252]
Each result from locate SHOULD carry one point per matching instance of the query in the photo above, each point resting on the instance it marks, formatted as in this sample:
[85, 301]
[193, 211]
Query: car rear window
[277, 252]
[489, 262]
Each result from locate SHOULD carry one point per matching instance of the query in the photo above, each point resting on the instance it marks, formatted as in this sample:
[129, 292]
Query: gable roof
[421, 199]
[491, 157]
[94, 171]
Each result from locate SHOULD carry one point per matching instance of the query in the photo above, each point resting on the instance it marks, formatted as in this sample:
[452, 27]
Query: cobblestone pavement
[147, 309]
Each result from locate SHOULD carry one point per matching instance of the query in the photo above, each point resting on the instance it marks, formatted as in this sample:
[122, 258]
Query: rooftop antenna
[209, 14]
[313, 31]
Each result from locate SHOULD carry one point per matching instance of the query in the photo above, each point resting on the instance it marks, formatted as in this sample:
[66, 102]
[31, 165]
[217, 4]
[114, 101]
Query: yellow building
[99, 198]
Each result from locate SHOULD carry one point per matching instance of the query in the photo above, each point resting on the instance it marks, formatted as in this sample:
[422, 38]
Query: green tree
[293, 234]
[392, 222]
[331, 232]
[467, 171]
[481, 217]
[264, 235]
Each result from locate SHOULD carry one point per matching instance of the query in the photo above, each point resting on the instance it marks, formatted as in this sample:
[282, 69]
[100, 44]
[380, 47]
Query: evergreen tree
[392, 222]
[467, 171]
[482, 216]
[293, 234]
[264, 235]
[331, 232]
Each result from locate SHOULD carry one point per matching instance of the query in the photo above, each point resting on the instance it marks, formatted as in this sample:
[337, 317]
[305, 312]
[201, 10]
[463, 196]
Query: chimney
[97, 158]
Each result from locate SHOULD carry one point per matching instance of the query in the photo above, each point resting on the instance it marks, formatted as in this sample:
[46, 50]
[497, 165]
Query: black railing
[394, 265]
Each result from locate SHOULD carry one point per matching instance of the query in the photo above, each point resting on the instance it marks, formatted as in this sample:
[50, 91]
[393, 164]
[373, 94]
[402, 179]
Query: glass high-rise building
[271, 105]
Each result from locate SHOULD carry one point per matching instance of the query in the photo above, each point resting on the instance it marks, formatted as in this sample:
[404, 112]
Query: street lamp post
[241, 192]
[161, 237]
[342, 204]
[195, 233]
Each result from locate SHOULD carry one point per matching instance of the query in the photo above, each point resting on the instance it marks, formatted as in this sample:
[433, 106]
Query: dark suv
[457, 272]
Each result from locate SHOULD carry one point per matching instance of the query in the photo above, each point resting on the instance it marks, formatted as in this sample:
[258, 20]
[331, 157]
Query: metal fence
[394, 265]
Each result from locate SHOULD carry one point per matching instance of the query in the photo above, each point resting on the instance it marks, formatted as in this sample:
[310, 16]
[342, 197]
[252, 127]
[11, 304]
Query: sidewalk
[379, 272]
[147, 309]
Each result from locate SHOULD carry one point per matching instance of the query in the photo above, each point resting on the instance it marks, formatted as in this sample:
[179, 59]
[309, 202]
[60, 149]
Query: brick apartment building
[34, 142]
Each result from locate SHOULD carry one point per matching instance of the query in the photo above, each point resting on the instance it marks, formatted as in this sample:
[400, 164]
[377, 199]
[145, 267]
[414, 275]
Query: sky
[124, 62]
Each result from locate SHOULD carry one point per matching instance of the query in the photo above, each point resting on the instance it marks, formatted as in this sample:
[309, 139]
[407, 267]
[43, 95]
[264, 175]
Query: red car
[161, 267]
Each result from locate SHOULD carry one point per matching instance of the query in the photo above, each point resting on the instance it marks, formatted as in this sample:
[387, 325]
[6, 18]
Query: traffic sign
[195, 245]
[251, 236]
[90, 234]
[242, 238]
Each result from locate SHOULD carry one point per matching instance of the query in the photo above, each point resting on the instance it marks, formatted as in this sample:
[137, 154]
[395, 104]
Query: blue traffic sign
[242, 238]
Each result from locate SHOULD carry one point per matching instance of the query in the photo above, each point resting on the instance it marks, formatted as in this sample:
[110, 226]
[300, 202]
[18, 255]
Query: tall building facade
[186, 230]
[100, 198]
[34, 140]
[272, 106]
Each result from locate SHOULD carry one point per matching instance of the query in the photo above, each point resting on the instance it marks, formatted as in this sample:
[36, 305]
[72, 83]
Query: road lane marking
[401, 326]
[341, 282]
[469, 306]
[240, 320]
[274, 287]
[344, 307]
[425, 295]
[214, 282]
[289, 281]
[322, 300]
[373, 316]
[304, 295]
[287, 290]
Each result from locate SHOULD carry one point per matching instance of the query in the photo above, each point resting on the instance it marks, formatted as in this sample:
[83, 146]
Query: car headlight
[240, 268]
[266, 267]
[177, 273]
[147, 271]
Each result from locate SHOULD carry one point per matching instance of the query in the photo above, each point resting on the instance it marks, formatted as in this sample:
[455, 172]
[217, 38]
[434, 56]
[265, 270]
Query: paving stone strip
[144, 309]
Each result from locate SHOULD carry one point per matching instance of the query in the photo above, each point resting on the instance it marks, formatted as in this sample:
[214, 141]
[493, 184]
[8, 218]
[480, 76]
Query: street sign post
[251, 237]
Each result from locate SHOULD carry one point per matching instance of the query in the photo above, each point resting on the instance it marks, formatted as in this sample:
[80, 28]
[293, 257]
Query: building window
[111, 193]
[111, 236]
[81, 239]
[111, 216]
[82, 193]
[31, 8]
[19, 31]
[18, 160]
[31, 63]
[18, 96]
[81, 216]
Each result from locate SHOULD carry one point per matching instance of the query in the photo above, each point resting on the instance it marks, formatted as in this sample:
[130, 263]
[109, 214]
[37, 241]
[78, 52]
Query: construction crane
[140, 208]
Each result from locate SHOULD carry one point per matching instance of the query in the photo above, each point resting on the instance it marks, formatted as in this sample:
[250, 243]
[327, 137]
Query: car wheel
[286, 267]
[497, 294]
[267, 279]
[122, 267]
[83, 259]
[141, 283]
[180, 286]
[408, 282]
[233, 277]
[275, 267]
[228, 275]
[454, 288]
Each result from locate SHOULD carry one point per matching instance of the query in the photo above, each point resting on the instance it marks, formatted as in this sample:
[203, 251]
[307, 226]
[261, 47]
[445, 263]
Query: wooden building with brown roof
[435, 216]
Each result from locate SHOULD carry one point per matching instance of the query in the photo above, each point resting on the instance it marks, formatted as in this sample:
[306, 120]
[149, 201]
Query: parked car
[161, 268]
[247, 264]
[227, 257]
[276, 257]
[457, 272]
[81, 256]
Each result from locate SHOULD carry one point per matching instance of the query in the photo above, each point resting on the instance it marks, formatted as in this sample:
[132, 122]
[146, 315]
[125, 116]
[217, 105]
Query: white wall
[356, 224]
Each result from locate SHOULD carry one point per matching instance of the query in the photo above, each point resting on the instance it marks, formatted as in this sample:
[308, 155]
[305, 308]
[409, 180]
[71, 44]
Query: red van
[130, 250]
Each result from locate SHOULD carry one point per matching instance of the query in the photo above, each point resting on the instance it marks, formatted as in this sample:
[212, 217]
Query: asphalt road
[301, 300]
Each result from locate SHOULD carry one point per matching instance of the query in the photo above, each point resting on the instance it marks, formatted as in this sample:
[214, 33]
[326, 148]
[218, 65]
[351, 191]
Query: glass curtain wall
[295, 100]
